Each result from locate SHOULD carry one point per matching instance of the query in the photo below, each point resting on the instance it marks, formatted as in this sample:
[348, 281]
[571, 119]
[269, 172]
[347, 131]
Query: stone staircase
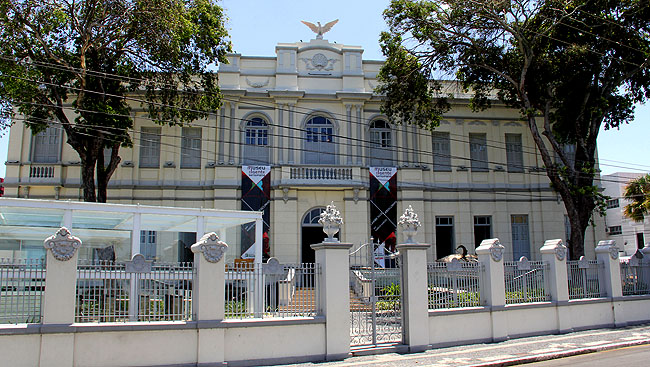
[304, 299]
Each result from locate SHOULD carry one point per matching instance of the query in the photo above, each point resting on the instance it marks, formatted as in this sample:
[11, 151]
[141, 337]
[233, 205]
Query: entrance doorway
[312, 232]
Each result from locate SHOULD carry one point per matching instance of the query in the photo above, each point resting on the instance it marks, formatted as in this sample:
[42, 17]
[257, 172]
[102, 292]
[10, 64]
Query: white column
[349, 140]
[493, 289]
[414, 295]
[360, 140]
[334, 296]
[279, 132]
[554, 253]
[291, 152]
[231, 142]
[222, 130]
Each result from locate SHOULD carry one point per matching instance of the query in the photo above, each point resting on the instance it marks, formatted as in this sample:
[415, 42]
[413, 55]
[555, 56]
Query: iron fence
[583, 279]
[118, 292]
[454, 284]
[22, 282]
[635, 277]
[271, 290]
[526, 281]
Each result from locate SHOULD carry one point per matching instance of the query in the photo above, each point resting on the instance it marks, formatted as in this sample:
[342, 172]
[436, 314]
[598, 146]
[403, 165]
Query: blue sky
[256, 26]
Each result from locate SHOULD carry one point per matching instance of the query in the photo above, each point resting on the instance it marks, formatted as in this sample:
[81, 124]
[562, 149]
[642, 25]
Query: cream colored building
[310, 113]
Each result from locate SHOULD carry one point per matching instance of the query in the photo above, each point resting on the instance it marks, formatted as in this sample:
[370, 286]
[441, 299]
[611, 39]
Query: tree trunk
[104, 173]
[88, 178]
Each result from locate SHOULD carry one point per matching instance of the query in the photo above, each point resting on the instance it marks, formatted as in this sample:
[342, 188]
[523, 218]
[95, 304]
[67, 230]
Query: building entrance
[311, 233]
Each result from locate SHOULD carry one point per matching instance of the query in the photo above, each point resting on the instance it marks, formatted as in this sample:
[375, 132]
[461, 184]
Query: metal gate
[375, 296]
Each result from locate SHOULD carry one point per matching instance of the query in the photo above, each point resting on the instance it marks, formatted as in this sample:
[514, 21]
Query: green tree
[637, 192]
[571, 67]
[75, 64]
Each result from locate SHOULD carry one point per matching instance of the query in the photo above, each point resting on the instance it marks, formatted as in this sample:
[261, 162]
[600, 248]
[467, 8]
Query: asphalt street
[590, 343]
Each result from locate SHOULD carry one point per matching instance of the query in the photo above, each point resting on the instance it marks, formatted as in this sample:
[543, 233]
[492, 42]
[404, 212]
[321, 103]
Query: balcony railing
[41, 172]
[321, 173]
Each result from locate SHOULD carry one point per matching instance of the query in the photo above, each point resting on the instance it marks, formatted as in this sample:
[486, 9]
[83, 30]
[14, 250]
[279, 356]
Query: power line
[404, 149]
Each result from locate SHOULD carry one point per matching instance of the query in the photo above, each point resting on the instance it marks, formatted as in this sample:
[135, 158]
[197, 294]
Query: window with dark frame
[150, 147]
[478, 152]
[381, 143]
[46, 145]
[191, 147]
[514, 153]
[441, 151]
[256, 140]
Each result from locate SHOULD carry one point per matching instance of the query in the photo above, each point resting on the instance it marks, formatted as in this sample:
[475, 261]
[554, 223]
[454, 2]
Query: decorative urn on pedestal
[409, 222]
[331, 221]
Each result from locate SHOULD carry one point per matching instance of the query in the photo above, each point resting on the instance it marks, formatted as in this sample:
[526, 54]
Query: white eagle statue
[320, 29]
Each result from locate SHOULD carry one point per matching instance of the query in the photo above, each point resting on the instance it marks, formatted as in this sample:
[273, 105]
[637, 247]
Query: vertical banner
[383, 206]
[255, 196]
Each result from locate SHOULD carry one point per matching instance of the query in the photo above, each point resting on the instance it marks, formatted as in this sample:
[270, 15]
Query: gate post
[415, 305]
[554, 253]
[493, 289]
[334, 296]
[415, 284]
[59, 298]
[208, 297]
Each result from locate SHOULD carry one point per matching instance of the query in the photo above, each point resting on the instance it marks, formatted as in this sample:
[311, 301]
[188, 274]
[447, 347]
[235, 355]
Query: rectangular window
[191, 147]
[478, 152]
[444, 236]
[148, 244]
[150, 147]
[520, 236]
[441, 151]
[615, 230]
[482, 229]
[46, 145]
[611, 204]
[514, 153]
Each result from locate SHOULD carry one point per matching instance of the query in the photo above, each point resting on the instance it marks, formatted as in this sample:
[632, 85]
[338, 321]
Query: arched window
[311, 218]
[381, 144]
[256, 142]
[319, 141]
[46, 145]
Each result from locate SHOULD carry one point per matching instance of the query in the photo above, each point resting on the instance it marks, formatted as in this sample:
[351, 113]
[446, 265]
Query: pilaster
[493, 290]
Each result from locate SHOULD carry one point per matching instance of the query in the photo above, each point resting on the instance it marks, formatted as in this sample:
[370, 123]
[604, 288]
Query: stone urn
[331, 221]
[409, 222]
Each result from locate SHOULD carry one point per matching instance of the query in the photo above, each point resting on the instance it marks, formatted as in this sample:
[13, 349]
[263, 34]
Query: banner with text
[255, 196]
[383, 205]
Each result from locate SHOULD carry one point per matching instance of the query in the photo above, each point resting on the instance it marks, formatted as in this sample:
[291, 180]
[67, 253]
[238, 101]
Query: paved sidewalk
[508, 353]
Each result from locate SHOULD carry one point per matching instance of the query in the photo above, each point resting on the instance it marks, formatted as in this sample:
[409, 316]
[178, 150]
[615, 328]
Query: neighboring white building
[310, 114]
[628, 234]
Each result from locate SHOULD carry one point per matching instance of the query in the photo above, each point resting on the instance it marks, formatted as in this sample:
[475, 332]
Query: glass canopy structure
[119, 231]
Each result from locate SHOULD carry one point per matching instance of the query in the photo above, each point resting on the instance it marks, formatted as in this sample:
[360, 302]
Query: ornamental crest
[211, 247]
[613, 252]
[497, 250]
[523, 263]
[560, 251]
[273, 267]
[138, 264]
[62, 244]
[319, 62]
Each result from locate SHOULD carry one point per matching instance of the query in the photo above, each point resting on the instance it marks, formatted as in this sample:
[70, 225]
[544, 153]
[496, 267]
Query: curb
[563, 354]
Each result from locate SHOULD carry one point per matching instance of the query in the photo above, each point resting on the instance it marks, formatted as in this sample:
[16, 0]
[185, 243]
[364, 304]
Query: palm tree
[637, 192]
